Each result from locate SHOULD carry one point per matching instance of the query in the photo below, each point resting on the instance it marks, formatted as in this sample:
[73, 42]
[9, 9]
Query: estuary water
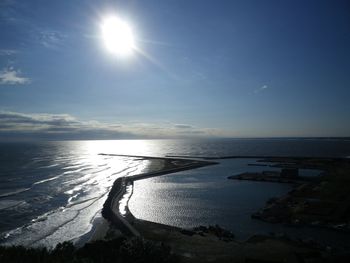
[206, 197]
[53, 191]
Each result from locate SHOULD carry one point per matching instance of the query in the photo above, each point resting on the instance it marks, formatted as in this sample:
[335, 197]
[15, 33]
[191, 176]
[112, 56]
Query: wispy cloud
[11, 12]
[10, 76]
[65, 126]
[262, 88]
[8, 52]
[51, 39]
[15, 12]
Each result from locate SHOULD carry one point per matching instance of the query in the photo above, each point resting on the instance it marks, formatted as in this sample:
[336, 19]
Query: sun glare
[117, 36]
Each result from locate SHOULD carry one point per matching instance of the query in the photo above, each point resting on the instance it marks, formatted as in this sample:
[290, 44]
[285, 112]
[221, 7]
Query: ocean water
[53, 191]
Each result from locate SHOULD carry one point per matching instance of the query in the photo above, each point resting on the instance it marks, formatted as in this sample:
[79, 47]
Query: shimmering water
[52, 191]
[206, 197]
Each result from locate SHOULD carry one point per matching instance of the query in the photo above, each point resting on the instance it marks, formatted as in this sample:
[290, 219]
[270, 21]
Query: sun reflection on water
[123, 203]
[71, 183]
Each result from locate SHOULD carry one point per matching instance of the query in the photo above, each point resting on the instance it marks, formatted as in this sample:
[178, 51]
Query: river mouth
[206, 197]
[55, 191]
[116, 210]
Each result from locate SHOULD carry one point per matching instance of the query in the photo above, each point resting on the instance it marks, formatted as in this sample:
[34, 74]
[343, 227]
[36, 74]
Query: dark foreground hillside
[116, 250]
[138, 250]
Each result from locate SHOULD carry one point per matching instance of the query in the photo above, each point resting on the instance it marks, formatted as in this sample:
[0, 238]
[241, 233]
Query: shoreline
[110, 209]
[173, 165]
[203, 243]
[212, 243]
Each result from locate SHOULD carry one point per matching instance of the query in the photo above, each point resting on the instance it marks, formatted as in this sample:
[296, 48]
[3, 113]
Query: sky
[199, 69]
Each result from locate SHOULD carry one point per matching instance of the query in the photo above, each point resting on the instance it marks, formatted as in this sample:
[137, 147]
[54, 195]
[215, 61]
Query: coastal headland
[214, 244]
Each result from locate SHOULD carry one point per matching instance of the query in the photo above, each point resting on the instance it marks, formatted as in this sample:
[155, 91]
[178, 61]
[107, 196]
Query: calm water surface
[206, 197]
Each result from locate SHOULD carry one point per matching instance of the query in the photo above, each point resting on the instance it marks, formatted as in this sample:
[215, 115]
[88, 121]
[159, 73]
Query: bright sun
[117, 36]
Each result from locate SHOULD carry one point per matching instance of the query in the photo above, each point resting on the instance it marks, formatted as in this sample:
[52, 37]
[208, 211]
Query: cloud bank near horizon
[22, 126]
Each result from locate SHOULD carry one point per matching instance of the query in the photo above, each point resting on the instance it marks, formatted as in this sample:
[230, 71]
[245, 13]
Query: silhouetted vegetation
[218, 231]
[117, 250]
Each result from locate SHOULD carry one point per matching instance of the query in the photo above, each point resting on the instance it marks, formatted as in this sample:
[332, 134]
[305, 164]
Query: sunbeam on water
[63, 188]
[52, 192]
[125, 199]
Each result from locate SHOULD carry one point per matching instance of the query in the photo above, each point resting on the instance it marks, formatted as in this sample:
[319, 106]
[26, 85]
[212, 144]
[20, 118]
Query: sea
[53, 191]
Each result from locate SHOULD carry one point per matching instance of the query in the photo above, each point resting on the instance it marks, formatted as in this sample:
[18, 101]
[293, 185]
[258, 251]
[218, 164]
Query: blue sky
[203, 69]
